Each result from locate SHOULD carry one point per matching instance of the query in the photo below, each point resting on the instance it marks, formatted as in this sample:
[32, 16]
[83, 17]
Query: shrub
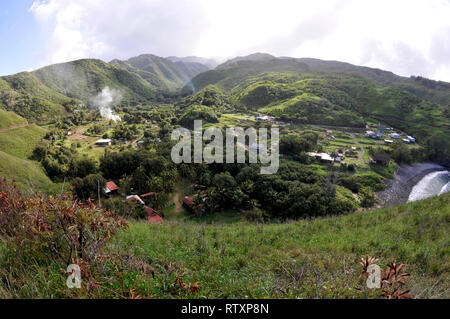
[59, 229]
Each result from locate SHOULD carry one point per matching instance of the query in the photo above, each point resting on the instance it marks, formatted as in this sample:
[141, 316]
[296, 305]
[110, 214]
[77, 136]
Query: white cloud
[404, 36]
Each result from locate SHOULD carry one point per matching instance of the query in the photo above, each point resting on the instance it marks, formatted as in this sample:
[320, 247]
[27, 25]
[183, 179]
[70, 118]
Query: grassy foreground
[316, 258]
[302, 259]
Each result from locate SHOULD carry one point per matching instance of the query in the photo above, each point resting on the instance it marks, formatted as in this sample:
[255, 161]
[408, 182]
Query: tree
[89, 187]
[82, 167]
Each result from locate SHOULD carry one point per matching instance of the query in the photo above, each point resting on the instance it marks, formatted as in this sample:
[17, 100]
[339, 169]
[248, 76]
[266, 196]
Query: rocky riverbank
[398, 189]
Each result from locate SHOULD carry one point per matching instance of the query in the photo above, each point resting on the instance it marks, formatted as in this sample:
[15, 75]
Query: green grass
[8, 119]
[21, 142]
[242, 260]
[27, 174]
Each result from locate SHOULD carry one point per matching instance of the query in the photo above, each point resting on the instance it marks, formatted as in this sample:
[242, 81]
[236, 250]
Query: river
[433, 184]
[414, 182]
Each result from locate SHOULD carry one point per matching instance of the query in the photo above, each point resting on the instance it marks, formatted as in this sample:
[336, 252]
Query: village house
[136, 198]
[147, 196]
[264, 118]
[111, 188]
[380, 159]
[152, 216]
[372, 134]
[188, 201]
[103, 142]
[395, 136]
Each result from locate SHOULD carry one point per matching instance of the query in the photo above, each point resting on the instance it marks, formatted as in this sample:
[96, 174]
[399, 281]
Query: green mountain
[233, 72]
[331, 93]
[161, 73]
[48, 93]
[83, 79]
[210, 63]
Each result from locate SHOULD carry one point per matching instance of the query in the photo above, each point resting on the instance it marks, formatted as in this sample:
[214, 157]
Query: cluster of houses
[153, 217]
[407, 140]
[394, 136]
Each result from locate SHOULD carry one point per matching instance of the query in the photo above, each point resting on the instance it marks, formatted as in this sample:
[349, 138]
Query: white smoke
[104, 100]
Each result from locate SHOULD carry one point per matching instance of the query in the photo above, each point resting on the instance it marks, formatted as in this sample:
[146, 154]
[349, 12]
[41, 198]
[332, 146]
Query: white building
[104, 142]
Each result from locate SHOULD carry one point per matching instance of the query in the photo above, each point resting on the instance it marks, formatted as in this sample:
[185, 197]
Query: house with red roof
[152, 216]
[111, 188]
[136, 198]
[189, 201]
[147, 194]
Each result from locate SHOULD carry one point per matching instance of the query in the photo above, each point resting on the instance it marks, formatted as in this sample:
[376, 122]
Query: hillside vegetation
[164, 74]
[332, 93]
[8, 119]
[303, 259]
[29, 175]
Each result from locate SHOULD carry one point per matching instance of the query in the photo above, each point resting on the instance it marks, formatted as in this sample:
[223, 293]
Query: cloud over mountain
[406, 37]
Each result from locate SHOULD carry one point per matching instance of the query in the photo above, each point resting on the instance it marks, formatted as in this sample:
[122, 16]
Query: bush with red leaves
[59, 228]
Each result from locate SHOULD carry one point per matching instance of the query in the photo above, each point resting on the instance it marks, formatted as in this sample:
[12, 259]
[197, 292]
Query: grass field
[305, 259]
[21, 141]
[27, 174]
[16, 146]
[8, 119]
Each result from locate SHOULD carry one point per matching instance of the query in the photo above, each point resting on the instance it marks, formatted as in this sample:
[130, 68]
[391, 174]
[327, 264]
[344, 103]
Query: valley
[95, 139]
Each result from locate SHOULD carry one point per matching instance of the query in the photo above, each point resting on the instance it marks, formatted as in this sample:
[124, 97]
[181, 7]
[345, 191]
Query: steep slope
[83, 79]
[26, 95]
[232, 73]
[17, 141]
[210, 63]
[164, 74]
[10, 119]
[332, 93]
[434, 91]
[305, 259]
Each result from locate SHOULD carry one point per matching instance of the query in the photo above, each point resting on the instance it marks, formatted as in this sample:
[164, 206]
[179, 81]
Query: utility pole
[98, 189]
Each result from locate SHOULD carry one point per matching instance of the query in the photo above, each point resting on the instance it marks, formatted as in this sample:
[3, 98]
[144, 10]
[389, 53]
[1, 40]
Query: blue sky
[407, 37]
[20, 36]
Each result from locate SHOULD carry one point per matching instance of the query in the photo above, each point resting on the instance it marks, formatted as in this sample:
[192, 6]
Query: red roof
[152, 216]
[148, 194]
[112, 186]
[189, 200]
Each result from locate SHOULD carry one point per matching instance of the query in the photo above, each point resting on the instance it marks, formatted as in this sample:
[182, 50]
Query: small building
[406, 141]
[326, 158]
[136, 198]
[103, 142]
[372, 134]
[388, 141]
[152, 216]
[338, 159]
[147, 197]
[111, 188]
[264, 118]
[188, 201]
[411, 139]
[381, 159]
[395, 136]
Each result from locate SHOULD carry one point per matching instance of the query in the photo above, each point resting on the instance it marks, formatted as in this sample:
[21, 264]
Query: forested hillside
[332, 93]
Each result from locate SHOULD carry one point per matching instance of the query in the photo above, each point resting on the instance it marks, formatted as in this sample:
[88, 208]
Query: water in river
[433, 184]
